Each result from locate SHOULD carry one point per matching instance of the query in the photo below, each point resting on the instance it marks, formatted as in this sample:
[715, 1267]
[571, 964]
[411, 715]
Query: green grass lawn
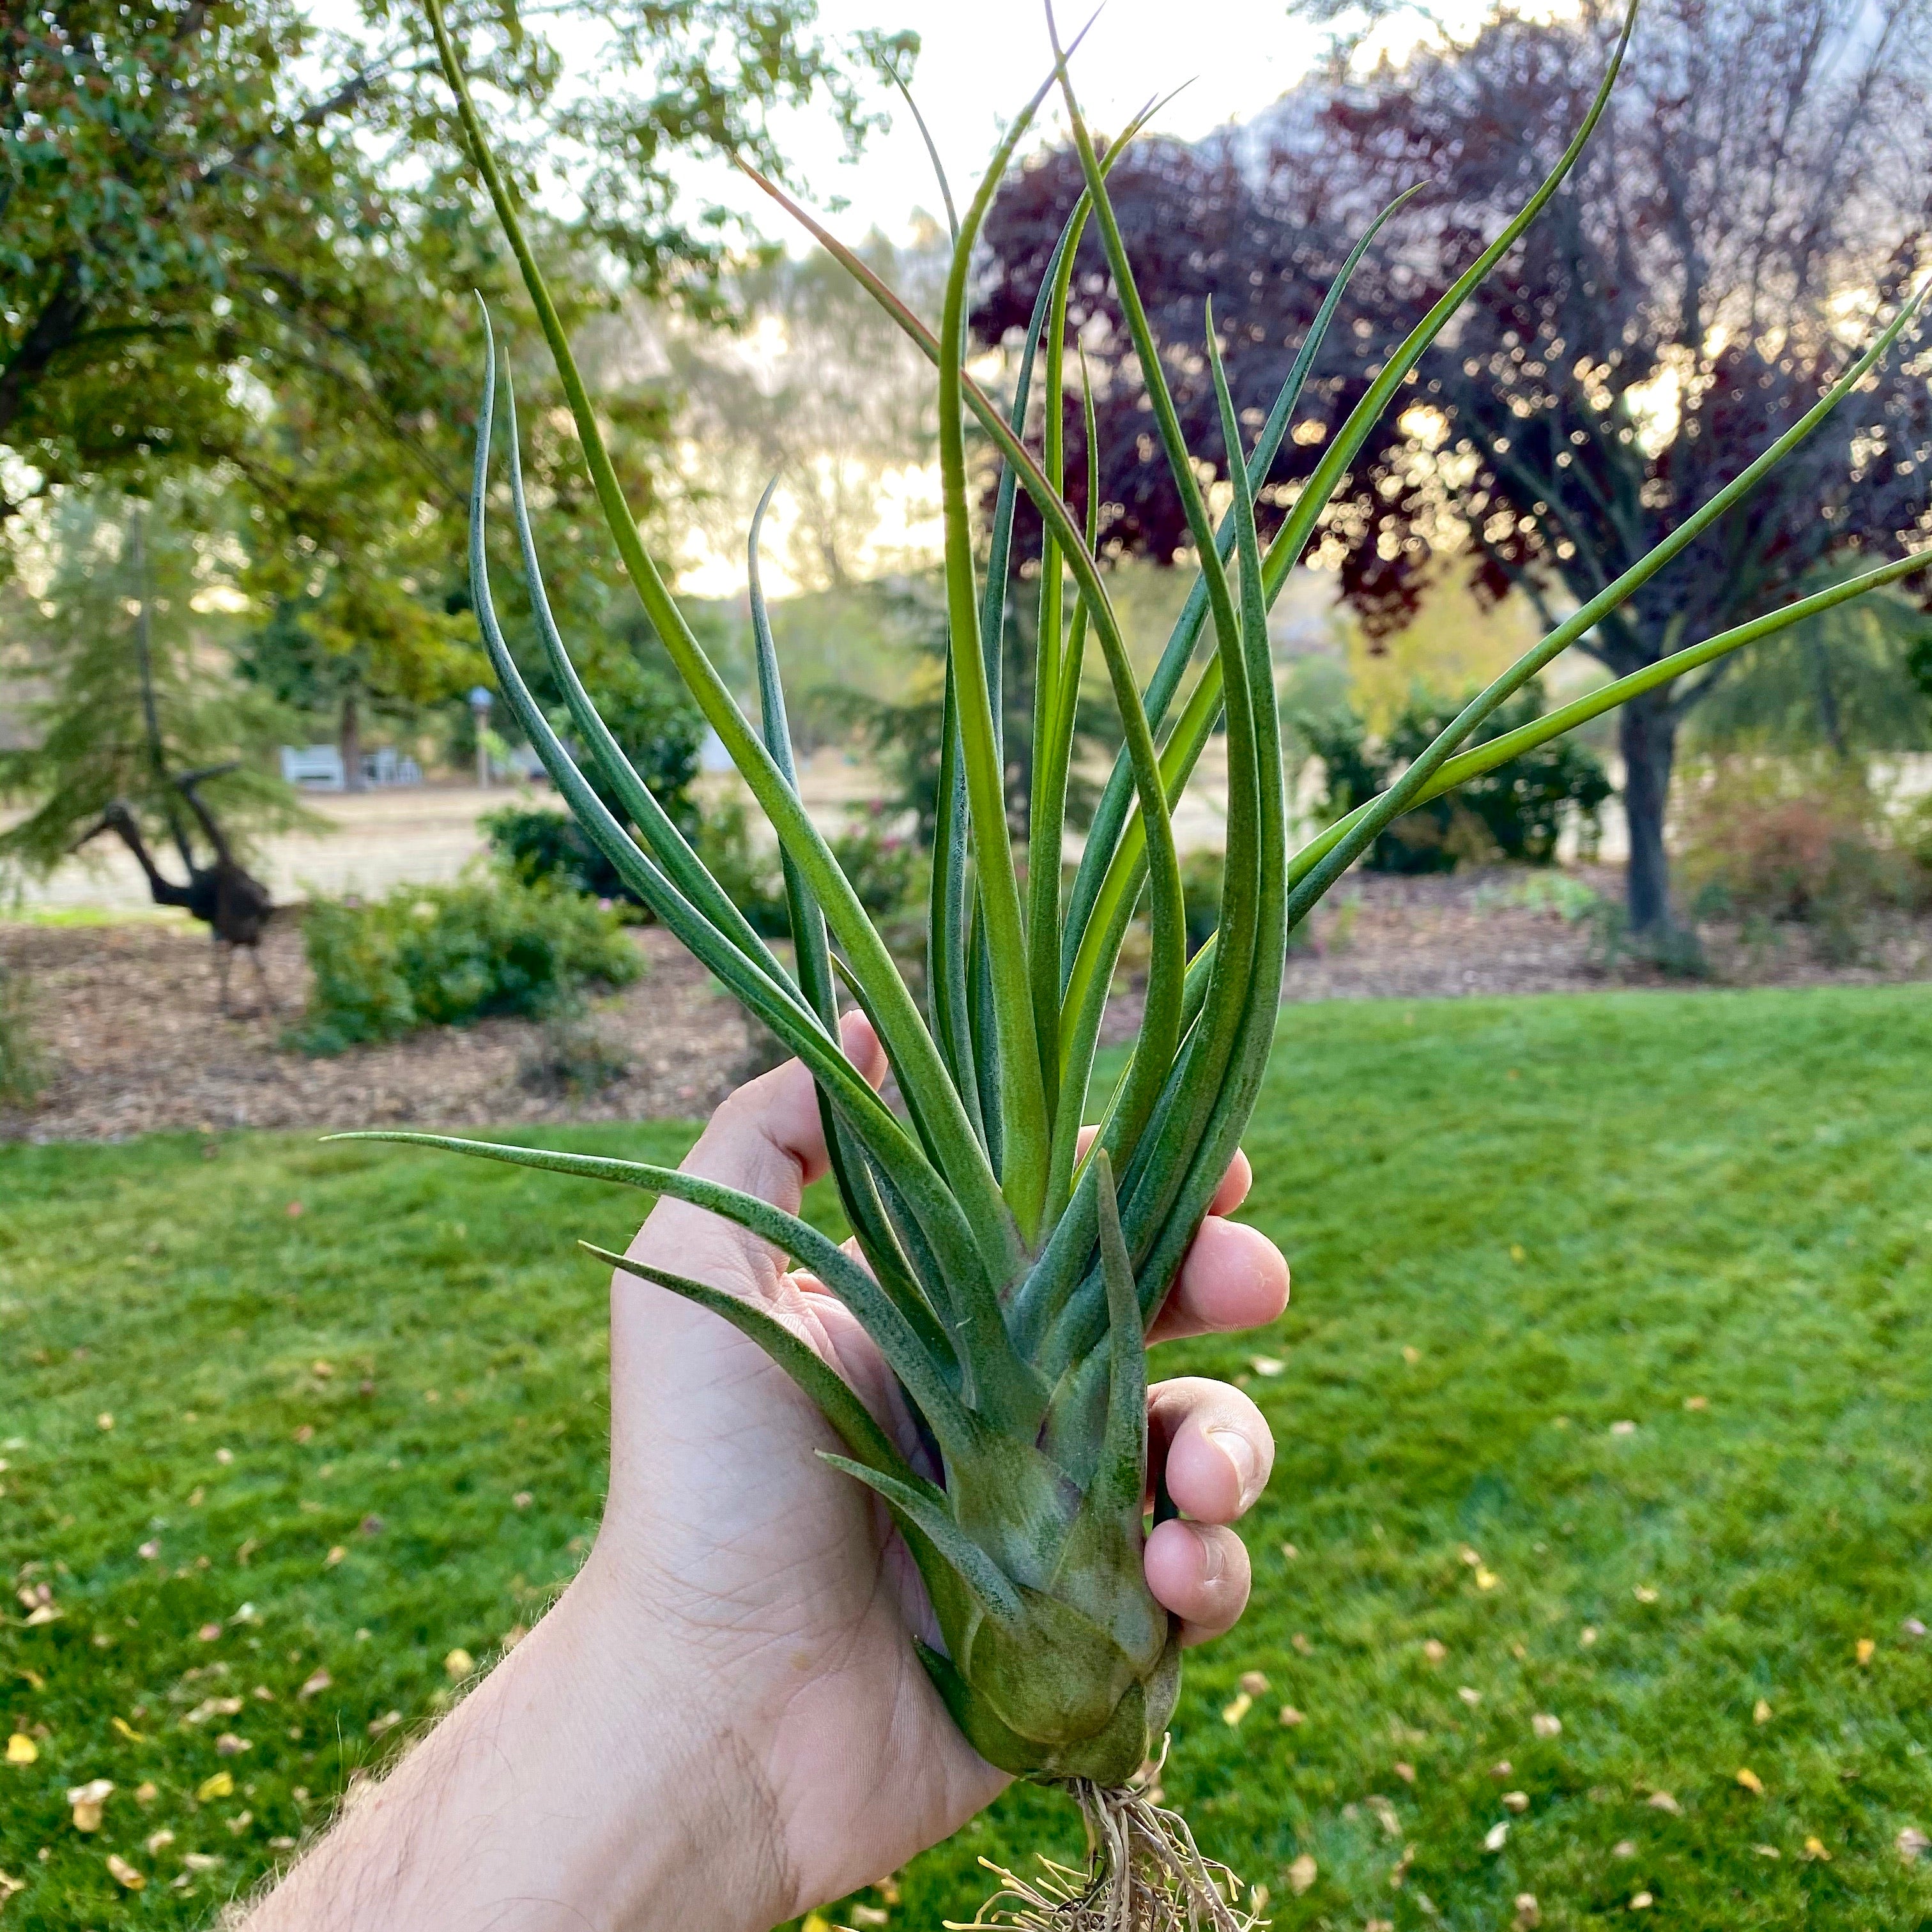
[1606, 1397]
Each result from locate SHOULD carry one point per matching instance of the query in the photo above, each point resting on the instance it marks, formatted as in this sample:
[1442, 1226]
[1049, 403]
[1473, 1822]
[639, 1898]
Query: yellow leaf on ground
[1750, 1779]
[1486, 1579]
[1291, 1717]
[1865, 1648]
[316, 1681]
[1814, 1848]
[123, 1873]
[1546, 1725]
[1642, 1902]
[459, 1662]
[1301, 1874]
[21, 1749]
[220, 1785]
[1760, 1712]
[1232, 1714]
[128, 1731]
[87, 1799]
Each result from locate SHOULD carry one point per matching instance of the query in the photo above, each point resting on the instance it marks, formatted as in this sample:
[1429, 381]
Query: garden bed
[128, 1015]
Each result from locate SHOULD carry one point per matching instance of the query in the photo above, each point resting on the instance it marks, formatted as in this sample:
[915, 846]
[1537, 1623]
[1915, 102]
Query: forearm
[574, 1787]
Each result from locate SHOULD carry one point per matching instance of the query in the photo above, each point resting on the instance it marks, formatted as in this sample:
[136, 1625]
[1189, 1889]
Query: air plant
[1010, 1272]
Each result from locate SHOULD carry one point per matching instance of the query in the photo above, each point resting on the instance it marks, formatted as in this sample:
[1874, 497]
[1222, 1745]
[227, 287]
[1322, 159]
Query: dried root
[1143, 1874]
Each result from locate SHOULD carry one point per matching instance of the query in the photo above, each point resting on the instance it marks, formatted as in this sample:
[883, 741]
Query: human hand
[723, 1721]
[763, 1570]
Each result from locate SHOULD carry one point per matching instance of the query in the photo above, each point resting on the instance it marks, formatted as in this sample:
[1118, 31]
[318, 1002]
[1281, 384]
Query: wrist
[587, 1781]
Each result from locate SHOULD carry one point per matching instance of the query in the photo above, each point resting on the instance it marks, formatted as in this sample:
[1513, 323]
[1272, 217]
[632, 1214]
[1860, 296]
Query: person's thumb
[766, 1139]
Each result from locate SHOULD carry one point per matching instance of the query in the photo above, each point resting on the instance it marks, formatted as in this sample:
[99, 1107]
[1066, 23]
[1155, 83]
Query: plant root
[1143, 1874]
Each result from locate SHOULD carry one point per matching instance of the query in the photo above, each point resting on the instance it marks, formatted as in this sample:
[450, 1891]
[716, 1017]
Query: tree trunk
[1647, 738]
[350, 742]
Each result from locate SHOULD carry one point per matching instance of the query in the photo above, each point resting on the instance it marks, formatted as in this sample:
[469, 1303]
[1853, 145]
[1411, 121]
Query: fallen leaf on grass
[21, 1749]
[316, 1682]
[334, 1556]
[1301, 1874]
[459, 1662]
[1233, 1712]
[149, 1550]
[1516, 1800]
[228, 1745]
[1644, 1593]
[1546, 1725]
[1912, 1844]
[200, 1862]
[1266, 1365]
[1291, 1717]
[1767, 1851]
[8, 1886]
[87, 1799]
[1750, 1779]
[1814, 1848]
[209, 1633]
[1587, 1636]
[146, 1792]
[387, 1721]
[1662, 1801]
[1623, 1848]
[1288, 1550]
[1641, 1901]
[1386, 1815]
[241, 1822]
[128, 1731]
[1486, 1579]
[1469, 1694]
[1760, 1712]
[103, 1421]
[219, 1785]
[125, 1874]
[1865, 1648]
[159, 1841]
[1406, 1772]
[1528, 1913]
[1254, 1682]
[1494, 1837]
[1435, 1651]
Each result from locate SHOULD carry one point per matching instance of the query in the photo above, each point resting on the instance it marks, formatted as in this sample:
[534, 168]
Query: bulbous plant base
[1143, 1874]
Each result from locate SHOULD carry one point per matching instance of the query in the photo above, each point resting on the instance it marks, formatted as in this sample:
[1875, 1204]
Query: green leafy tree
[234, 244]
[131, 689]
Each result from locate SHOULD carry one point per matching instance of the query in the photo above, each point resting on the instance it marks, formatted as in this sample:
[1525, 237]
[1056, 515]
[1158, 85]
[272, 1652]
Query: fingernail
[1213, 1561]
[1240, 1451]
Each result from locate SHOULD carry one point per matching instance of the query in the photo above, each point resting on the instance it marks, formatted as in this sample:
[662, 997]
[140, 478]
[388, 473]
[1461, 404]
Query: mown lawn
[1606, 1397]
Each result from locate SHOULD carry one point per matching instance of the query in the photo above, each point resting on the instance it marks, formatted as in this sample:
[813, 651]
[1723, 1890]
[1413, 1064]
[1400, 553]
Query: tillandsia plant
[1009, 1270]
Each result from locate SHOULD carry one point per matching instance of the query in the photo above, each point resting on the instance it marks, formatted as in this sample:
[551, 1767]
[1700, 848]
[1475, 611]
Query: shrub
[1799, 840]
[544, 847]
[23, 1068]
[447, 955]
[883, 867]
[1515, 811]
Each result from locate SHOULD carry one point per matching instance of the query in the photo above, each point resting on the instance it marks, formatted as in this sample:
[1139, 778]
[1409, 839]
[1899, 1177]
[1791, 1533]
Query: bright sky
[979, 62]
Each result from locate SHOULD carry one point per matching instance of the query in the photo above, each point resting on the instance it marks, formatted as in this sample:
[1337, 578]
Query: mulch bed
[128, 1015]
